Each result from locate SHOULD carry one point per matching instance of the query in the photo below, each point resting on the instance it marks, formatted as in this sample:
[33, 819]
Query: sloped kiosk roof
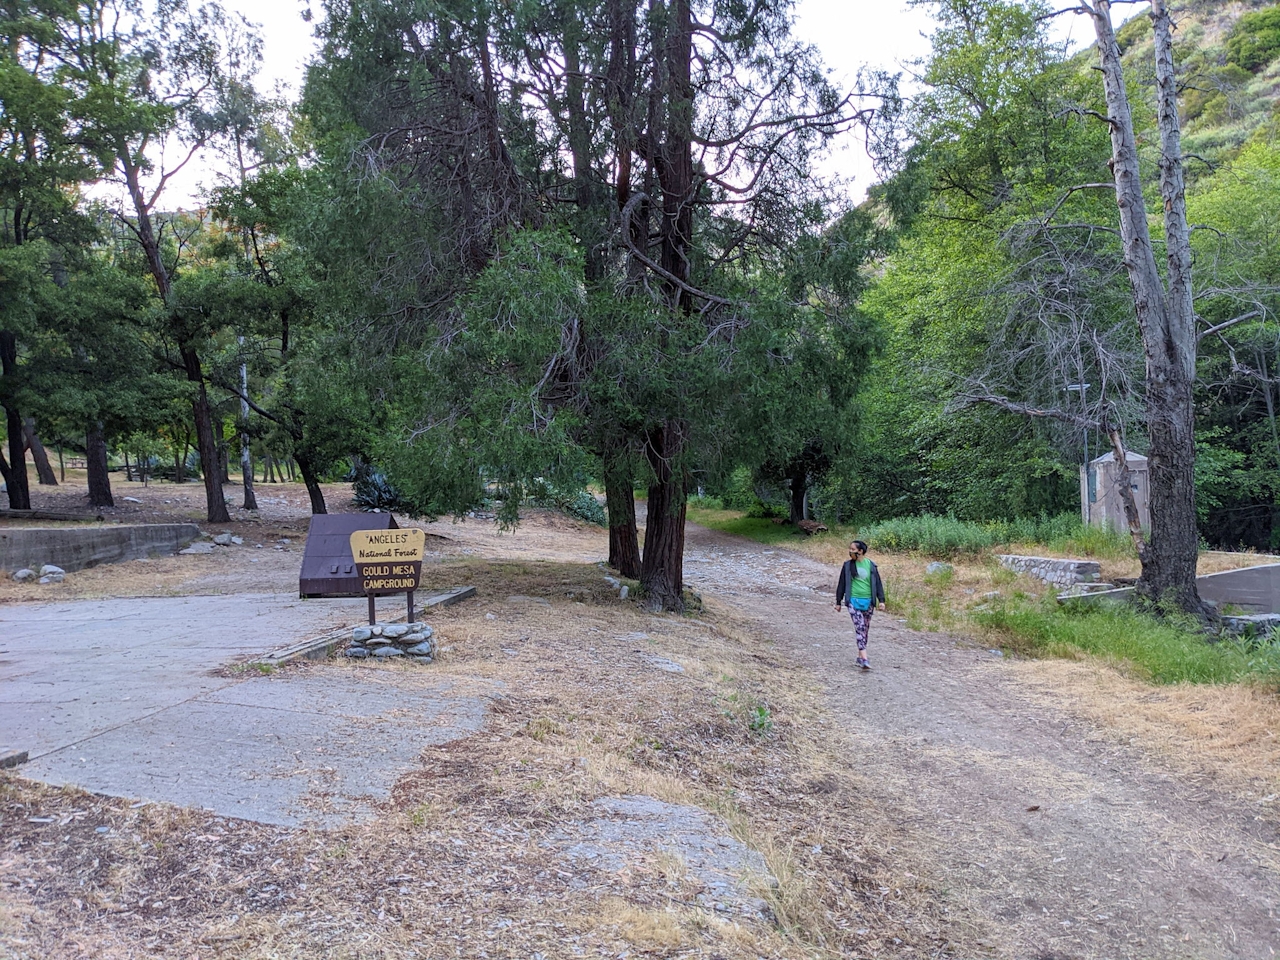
[327, 567]
[1129, 456]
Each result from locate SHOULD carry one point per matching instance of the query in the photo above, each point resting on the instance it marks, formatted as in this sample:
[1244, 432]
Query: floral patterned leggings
[861, 626]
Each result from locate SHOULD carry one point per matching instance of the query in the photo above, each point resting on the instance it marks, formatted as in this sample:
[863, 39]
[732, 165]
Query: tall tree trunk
[1124, 478]
[216, 503]
[39, 455]
[620, 502]
[181, 475]
[224, 453]
[16, 482]
[95, 456]
[662, 570]
[246, 454]
[4, 469]
[312, 481]
[799, 490]
[1165, 317]
[246, 472]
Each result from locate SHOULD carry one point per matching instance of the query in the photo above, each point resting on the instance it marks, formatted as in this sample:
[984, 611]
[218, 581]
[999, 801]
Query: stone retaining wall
[1064, 573]
[74, 548]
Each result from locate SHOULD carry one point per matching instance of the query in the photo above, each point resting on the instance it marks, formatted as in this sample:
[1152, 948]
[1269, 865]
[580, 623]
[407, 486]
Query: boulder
[25, 574]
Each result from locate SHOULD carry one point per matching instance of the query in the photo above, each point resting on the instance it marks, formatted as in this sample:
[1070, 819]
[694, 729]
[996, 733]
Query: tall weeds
[944, 537]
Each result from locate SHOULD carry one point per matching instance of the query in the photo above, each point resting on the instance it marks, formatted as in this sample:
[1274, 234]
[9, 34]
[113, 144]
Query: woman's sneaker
[864, 663]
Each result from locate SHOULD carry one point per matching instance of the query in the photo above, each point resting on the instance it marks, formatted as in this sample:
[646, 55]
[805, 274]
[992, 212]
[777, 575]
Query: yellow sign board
[388, 546]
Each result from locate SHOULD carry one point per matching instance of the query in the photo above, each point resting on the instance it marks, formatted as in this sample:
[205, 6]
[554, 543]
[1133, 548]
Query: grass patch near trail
[1162, 652]
[759, 529]
[947, 537]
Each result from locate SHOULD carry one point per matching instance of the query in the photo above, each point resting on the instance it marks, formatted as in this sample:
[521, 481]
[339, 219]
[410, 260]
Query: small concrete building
[1100, 503]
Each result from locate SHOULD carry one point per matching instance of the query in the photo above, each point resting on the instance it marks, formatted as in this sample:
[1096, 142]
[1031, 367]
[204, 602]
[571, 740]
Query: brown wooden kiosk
[328, 567]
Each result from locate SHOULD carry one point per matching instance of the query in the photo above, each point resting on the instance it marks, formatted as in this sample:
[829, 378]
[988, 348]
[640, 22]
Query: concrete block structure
[1100, 503]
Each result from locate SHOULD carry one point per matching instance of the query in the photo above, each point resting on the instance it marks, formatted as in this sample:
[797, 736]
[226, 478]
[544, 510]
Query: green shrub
[373, 492]
[576, 503]
[1255, 39]
[932, 536]
[738, 492]
[1134, 30]
[702, 501]
[765, 511]
[1093, 542]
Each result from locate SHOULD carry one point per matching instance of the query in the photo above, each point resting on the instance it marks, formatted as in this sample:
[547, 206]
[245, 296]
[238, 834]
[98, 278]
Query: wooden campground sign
[388, 561]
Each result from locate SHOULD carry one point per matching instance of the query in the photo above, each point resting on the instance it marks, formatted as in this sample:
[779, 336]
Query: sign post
[389, 562]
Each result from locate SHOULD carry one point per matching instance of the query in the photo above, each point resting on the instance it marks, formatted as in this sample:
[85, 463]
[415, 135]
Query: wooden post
[372, 615]
[411, 606]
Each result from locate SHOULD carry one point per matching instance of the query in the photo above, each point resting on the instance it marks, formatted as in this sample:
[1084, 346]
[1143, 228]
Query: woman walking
[861, 589]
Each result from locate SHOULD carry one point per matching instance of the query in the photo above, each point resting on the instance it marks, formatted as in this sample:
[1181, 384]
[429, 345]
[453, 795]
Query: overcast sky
[886, 34]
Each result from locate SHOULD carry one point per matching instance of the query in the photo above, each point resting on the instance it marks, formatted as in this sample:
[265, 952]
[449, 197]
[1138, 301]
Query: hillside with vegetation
[1230, 59]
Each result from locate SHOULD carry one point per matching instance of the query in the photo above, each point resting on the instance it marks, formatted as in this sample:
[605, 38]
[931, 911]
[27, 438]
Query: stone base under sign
[386, 641]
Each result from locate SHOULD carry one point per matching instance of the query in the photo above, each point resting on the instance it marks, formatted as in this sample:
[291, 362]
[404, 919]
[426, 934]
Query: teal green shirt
[860, 585]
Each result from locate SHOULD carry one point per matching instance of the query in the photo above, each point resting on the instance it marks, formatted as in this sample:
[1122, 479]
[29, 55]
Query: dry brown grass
[1230, 732]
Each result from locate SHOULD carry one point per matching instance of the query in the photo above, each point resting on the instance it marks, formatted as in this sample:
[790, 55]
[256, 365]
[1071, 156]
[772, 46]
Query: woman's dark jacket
[842, 588]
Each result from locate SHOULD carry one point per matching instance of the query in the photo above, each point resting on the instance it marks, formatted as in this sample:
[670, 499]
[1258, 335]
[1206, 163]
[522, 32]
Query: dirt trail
[1073, 844]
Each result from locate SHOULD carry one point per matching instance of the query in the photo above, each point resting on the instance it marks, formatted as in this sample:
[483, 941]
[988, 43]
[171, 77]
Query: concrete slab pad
[125, 697]
[306, 749]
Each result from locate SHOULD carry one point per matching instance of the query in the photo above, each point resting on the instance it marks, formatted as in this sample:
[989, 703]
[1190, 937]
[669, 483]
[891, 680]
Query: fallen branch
[49, 515]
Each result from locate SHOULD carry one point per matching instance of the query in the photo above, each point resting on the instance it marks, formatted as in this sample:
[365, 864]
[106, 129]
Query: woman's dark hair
[862, 547]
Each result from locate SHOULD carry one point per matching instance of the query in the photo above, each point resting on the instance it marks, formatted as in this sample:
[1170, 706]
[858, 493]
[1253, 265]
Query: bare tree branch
[627, 212]
[1229, 323]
